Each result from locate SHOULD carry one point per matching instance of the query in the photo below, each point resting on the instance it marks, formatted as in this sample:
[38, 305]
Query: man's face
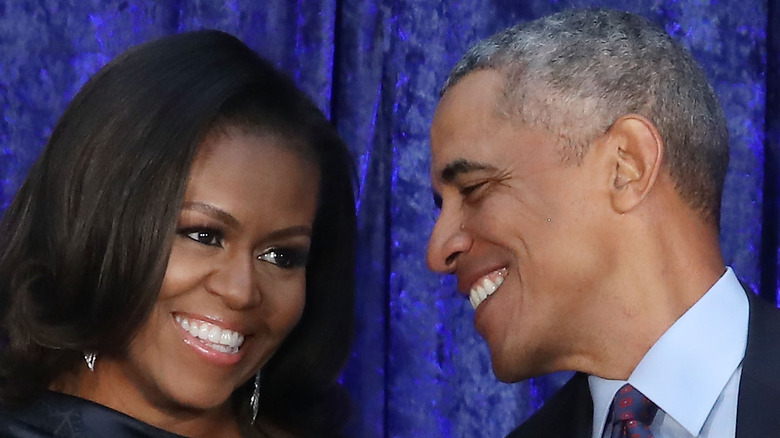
[515, 216]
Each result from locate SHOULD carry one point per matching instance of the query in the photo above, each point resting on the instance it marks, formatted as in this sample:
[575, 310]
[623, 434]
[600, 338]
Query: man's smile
[486, 286]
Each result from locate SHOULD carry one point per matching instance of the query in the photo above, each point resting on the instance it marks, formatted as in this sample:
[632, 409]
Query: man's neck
[660, 274]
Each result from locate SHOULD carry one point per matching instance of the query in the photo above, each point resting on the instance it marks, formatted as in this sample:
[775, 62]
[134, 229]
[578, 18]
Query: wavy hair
[86, 239]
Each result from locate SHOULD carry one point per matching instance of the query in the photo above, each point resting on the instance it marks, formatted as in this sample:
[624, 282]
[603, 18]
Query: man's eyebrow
[460, 167]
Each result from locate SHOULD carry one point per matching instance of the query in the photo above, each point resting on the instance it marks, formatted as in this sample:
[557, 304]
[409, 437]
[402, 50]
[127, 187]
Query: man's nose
[448, 240]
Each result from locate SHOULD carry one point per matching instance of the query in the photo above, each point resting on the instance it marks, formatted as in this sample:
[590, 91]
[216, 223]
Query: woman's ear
[638, 151]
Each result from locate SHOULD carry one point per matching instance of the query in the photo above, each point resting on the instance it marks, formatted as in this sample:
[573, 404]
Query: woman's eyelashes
[204, 235]
[285, 258]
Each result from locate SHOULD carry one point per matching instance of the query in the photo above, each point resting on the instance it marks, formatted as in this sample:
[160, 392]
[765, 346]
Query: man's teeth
[485, 287]
[220, 339]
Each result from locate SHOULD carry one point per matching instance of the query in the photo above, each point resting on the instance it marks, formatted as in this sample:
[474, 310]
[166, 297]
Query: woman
[180, 257]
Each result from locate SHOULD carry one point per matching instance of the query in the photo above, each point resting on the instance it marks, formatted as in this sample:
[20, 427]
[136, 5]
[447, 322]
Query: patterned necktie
[632, 414]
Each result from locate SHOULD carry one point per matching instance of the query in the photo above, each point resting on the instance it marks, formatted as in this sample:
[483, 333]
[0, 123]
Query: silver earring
[254, 401]
[90, 358]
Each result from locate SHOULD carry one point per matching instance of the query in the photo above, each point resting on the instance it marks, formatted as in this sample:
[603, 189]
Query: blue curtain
[375, 66]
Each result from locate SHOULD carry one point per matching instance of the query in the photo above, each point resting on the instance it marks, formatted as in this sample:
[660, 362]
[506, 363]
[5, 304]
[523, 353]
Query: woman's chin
[201, 401]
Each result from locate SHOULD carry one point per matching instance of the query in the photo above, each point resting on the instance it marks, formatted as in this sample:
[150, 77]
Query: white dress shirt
[692, 372]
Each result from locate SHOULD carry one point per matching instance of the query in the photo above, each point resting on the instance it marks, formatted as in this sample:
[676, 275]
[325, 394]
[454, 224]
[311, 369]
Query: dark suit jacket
[569, 413]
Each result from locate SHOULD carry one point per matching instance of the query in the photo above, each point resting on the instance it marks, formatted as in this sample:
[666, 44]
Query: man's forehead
[465, 115]
[477, 90]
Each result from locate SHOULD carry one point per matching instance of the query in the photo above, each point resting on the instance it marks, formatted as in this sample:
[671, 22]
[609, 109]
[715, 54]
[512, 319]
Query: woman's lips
[217, 344]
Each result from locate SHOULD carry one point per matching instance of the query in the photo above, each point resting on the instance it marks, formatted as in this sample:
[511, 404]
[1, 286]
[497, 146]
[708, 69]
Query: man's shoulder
[763, 349]
[569, 413]
[759, 386]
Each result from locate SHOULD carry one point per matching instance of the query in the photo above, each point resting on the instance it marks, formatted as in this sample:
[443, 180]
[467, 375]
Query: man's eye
[286, 258]
[468, 190]
[206, 237]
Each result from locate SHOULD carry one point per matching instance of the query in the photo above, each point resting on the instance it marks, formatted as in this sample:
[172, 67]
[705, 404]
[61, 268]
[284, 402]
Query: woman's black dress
[64, 416]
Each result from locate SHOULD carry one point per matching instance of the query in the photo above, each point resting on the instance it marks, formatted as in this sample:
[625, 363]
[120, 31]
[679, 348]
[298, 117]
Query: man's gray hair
[576, 72]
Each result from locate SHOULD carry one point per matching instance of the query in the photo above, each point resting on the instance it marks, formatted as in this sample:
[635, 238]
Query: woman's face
[234, 286]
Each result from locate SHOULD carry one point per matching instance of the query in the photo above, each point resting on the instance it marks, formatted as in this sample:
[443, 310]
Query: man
[579, 162]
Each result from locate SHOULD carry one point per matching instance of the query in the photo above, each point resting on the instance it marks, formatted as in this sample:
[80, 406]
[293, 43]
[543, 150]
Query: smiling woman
[168, 264]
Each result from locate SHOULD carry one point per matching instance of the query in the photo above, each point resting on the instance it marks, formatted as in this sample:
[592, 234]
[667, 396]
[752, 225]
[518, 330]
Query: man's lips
[486, 286]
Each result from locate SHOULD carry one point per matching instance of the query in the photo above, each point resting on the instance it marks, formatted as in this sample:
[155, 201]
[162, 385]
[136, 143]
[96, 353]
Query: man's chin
[512, 370]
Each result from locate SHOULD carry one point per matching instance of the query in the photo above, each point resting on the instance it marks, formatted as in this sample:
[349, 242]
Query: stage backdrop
[375, 67]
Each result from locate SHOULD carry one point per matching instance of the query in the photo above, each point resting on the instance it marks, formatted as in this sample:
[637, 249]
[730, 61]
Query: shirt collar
[685, 371]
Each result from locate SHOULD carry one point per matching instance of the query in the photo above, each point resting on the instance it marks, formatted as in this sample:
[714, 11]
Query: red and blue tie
[632, 414]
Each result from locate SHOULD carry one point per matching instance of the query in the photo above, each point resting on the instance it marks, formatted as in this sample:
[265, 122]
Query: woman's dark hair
[87, 238]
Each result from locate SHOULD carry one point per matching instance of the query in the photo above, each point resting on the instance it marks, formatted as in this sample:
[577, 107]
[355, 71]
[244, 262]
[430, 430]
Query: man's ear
[638, 151]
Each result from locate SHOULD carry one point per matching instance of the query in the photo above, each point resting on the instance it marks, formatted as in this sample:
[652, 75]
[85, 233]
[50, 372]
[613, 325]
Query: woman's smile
[215, 343]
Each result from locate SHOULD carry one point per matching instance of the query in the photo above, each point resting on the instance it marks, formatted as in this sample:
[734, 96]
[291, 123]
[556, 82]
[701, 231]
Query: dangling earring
[90, 358]
[254, 401]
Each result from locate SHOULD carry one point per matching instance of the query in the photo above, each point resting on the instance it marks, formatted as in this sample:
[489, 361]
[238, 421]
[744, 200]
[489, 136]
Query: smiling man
[578, 162]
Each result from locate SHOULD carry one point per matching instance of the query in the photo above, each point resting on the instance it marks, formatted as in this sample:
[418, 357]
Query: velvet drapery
[375, 67]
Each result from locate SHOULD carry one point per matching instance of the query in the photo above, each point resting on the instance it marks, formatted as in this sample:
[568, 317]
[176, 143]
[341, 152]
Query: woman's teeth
[486, 286]
[220, 339]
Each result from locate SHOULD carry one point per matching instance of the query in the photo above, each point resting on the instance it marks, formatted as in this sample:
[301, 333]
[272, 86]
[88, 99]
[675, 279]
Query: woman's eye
[285, 258]
[206, 237]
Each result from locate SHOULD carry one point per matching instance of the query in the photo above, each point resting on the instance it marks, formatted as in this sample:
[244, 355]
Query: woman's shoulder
[51, 415]
[12, 427]
[63, 416]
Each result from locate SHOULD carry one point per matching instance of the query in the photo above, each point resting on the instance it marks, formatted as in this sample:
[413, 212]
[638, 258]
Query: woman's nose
[234, 282]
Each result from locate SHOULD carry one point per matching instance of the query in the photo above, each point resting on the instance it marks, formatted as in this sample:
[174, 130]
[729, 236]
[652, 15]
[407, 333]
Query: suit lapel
[759, 386]
[568, 414]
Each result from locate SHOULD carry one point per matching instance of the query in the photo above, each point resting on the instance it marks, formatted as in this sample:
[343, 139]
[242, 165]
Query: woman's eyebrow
[294, 231]
[212, 211]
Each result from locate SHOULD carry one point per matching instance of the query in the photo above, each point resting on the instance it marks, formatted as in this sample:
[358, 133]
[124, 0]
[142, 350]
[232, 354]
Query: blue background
[375, 67]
